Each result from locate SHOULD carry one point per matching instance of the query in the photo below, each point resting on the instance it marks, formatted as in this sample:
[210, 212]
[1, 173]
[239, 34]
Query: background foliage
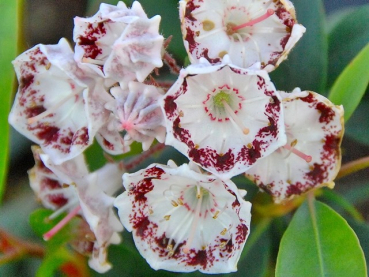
[324, 237]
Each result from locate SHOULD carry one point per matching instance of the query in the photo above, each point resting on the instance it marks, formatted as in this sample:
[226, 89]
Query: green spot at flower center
[220, 97]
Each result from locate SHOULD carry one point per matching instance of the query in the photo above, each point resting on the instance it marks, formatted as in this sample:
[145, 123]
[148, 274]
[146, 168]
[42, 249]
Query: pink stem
[269, 13]
[61, 223]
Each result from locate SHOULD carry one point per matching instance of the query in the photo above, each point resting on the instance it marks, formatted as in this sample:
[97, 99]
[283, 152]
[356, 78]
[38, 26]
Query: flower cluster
[223, 113]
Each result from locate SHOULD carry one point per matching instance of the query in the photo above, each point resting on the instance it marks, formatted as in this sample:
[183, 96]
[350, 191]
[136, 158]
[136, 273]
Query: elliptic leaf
[319, 242]
[350, 86]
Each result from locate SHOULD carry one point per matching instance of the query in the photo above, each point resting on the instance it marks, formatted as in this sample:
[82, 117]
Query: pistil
[235, 118]
[268, 13]
[62, 223]
[291, 148]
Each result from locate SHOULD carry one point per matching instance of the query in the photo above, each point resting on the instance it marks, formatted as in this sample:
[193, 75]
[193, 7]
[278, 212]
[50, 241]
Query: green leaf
[350, 86]
[9, 13]
[362, 231]
[257, 248]
[52, 262]
[347, 38]
[358, 125]
[319, 242]
[306, 66]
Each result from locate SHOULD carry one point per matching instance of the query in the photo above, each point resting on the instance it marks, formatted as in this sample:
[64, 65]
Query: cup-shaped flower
[136, 116]
[119, 43]
[57, 105]
[312, 156]
[69, 187]
[183, 220]
[223, 118]
[249, 31]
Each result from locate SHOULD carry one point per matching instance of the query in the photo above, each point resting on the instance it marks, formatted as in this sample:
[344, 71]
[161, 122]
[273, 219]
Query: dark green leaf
[358, 125]
[362, 231]
[346, 39]
[350, 86]
[9, 11]
[306, 66]
[319, 242]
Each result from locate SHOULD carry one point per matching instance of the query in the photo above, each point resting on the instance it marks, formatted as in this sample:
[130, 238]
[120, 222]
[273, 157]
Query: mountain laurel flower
[119, 43]
[52, 93]
[312, 156]
[69, 187]
[223, 118]
[136, 116]
[183, 220]
[249, 31]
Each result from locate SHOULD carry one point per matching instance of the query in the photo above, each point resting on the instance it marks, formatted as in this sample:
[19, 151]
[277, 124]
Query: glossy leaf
[358, 125]
[306, 66]
[346, 39]
[350, 86]
[9, 11]
[362, 231]
[319, 242]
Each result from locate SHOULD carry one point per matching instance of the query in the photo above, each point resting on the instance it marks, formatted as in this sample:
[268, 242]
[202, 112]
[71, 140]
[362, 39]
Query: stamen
[63, 209]
[235, 118]
[167, 217]
[62, 223]
[215, 216]
[50, 110]
[174, 203]
[224, 231]
[292, 148]
[268, 13]
[186, 248]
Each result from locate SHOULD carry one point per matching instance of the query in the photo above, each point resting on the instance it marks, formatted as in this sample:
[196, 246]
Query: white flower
[119, 43]
[57, 105]
[249, 31]
[69, 187]
[223, 118]
[183, 220]
[136, 112]
[312, 156]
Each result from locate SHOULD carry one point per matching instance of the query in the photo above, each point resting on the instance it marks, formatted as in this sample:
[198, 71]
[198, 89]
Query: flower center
[220, 97]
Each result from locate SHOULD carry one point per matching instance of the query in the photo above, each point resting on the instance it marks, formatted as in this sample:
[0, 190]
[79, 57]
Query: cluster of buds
[223, 113]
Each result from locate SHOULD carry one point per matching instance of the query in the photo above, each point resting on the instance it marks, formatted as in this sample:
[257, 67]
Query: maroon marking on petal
[200, 258]
[170, 106]
[205, 54]
[33, 111]
[317, 174]
[326, 113]
[332, 144]
[309, 98]
[162, 243]
[88, 42]
[228, 247]
[190, 7]
[25, 82]
[260, 82]
[285, 16]
[108, 145]
[141, 189]
[57, 199]
[252, 154]
[50, 184]
[270, 130]
[142, 226]
[294, 189]
[210, 158]
[181, 133]
[81, 137]
[154, 172]
[241, 233]
[190, 38]
[48, 133]
[284, 41]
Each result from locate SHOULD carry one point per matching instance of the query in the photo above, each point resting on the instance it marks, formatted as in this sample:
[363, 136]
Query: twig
[353, 167]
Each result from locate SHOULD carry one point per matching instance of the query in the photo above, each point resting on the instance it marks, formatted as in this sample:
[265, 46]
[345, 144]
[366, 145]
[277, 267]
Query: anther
[167, 217]
[174, 203]
[224, 231]
[223, 244]
[215, 216]
[180, 202]
[268, 13]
